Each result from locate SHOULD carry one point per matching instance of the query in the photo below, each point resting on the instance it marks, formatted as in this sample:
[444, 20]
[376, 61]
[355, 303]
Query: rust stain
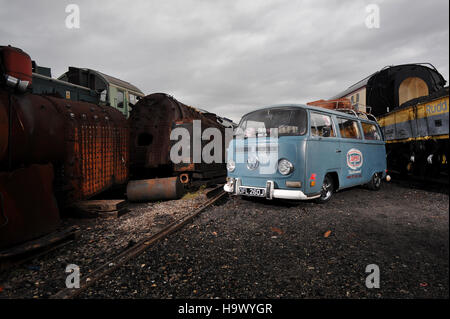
[151, 122]
[154, 189]
[28, 206]
[342, 103]
[87, 144]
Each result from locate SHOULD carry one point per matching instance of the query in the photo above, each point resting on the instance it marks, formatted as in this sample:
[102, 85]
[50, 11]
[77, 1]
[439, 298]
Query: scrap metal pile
[55, 152]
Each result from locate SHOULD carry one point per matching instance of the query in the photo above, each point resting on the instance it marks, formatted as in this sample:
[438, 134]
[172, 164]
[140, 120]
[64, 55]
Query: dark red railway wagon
[70, 149]
[151, 121]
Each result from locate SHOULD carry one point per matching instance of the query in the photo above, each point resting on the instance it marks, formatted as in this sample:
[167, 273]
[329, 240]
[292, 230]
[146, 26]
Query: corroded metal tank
[51, 147]
[86, 143]
[151, 122]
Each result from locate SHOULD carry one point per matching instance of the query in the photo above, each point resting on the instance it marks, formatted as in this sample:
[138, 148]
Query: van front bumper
[233, 184]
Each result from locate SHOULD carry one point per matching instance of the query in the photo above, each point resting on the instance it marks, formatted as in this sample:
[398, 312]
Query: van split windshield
[289, 122]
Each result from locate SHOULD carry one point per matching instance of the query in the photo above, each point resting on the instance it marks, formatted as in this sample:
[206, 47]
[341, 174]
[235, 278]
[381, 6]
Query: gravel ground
[100, 240]
[260, 249]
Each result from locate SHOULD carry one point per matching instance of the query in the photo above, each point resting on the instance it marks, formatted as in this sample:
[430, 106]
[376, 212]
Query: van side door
[352, 145]
[322, 150]
[374, 150]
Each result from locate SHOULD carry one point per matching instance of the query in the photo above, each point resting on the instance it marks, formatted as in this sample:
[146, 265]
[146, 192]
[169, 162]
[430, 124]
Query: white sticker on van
[354, 158]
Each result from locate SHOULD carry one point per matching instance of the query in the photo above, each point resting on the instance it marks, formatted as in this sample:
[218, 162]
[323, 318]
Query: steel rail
[135, 250]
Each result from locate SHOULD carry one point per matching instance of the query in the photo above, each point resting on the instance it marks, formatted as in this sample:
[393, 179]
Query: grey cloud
[231, 57]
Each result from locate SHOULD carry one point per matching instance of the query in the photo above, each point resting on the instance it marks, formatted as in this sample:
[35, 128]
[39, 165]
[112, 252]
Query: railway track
[68, 293]
[437, 185]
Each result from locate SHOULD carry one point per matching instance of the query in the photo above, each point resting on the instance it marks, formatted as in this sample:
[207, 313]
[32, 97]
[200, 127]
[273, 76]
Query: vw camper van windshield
[287, 121]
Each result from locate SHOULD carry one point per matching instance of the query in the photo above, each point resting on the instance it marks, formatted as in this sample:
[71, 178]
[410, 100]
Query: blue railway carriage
[302, 152]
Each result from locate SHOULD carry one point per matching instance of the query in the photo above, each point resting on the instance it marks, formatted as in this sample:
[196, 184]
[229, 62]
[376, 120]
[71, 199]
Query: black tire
[375, 182]
[327, 190]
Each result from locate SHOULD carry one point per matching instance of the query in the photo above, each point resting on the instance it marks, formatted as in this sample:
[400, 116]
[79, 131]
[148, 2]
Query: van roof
[310, 107]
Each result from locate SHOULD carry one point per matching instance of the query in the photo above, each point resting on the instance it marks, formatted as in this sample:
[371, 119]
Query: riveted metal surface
[87, 143]
[151, 122]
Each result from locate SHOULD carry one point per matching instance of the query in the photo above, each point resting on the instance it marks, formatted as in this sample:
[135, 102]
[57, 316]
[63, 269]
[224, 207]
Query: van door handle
[338, 150]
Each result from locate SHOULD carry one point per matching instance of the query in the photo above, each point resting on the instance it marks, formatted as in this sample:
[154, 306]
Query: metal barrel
[154, 189]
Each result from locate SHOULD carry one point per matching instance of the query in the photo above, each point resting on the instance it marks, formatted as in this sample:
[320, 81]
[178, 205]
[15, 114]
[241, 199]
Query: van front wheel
[327, 190]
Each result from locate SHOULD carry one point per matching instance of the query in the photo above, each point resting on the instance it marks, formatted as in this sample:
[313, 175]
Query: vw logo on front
[252, 163]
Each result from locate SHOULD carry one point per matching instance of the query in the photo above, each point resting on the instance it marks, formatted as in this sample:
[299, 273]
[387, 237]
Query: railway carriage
[410, 102]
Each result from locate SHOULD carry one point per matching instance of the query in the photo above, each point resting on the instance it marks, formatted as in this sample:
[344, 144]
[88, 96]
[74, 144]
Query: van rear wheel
[375, 182]
[327, 190]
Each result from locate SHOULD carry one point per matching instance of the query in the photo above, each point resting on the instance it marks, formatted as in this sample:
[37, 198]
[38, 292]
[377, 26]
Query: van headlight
[285, 167]
[231, 165]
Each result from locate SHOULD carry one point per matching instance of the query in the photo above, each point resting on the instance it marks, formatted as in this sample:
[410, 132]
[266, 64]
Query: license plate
[252, 191]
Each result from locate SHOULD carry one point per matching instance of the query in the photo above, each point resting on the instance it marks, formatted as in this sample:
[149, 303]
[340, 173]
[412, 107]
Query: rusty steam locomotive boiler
[152, 120]
[52, 151]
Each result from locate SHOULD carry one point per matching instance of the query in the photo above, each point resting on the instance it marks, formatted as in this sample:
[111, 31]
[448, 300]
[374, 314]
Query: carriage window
[103, 95]
[321, 125]
[370, 131]
[119, 98]
[349, 128]
[133, 99]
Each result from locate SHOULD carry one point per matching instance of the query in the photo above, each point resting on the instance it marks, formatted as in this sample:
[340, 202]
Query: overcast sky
[230, 57]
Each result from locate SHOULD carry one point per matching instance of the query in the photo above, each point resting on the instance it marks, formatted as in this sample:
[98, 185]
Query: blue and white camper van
[303, 152]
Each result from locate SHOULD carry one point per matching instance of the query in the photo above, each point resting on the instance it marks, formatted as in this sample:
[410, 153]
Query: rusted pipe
[154, 189]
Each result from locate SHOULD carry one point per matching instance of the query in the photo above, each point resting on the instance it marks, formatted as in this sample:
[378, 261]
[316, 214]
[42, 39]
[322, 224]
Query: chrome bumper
[232, 186]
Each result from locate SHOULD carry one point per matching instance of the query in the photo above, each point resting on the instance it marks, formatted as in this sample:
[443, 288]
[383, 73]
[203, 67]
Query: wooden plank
[104, 205]
[113, 214]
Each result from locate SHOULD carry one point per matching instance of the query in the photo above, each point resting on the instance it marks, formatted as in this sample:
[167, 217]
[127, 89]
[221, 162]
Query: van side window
[370, 131]
[321, 125]
[349, 128]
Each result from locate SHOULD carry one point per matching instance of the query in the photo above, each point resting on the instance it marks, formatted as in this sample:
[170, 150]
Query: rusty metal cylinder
[154, 189]
[37, 129]
[87, 144]
[151, 122]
